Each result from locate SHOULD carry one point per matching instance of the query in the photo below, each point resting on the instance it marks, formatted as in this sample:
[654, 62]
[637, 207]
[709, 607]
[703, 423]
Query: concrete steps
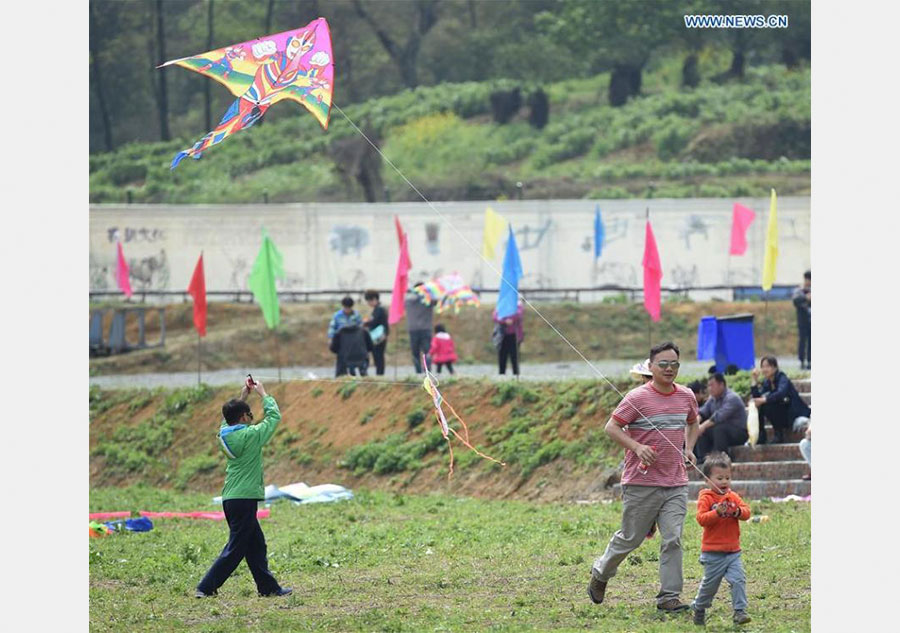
[762, 470]
[766, 453]
[750, 488]
[758, 488]
[765, 470]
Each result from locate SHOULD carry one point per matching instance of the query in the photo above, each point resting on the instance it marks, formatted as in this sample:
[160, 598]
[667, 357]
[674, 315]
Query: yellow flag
[494, 225]
[771, 253]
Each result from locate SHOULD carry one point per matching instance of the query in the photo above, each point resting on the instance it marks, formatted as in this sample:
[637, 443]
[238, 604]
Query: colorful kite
[431, 386]
[447, 291]
[296, 64]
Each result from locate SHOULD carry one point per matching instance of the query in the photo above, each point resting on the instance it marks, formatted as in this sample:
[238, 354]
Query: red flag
[401, 235]
[741, 218]
[652, 275]
[122, 272]
[197, 289]
[401, 281]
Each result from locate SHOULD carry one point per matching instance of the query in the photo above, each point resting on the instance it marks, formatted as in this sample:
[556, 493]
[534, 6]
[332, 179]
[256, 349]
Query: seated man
[777, 400]
[724, 419]
[352, 344]
[700, 392]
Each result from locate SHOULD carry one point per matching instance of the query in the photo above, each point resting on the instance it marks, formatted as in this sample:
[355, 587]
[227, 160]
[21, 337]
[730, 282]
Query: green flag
[268, 266]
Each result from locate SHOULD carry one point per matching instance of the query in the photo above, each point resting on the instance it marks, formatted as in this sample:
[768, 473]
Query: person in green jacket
[242, 443]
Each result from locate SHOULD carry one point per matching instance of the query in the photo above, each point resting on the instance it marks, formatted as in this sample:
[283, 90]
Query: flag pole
[198, 358]
[649, 321]
[396, 342]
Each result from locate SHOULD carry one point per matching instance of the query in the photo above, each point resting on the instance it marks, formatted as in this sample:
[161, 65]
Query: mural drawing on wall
[431, 238]
[528, 237]
[99, 274]
[345, 239]
[129, 234]
[615, 274]
[685, 277]
[150, 273]
[355, 281]
[695, 225]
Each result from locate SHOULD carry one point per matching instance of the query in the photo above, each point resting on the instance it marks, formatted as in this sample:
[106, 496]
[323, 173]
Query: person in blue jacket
[777, 399]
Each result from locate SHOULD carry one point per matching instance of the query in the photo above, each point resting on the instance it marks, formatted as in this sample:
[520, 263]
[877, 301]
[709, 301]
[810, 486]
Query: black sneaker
[700, 617]
[740, 617]
[201, 594]
[596, 590]
[282, 591]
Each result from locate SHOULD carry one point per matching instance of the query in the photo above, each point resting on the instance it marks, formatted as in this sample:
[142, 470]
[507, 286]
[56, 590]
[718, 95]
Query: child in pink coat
[443, 351]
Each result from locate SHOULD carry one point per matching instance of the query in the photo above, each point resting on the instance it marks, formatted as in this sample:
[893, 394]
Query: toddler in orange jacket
[719, 511]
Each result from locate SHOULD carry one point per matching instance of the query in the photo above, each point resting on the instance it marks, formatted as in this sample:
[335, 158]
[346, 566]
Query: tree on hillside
[162, 99]
[96, 77]
[207, 93]
[423, 16]
[616, 36]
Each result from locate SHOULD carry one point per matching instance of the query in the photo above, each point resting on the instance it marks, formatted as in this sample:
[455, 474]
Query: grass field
[389, 562]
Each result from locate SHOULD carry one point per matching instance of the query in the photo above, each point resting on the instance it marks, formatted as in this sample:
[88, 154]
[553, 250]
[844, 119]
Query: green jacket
[242, 446]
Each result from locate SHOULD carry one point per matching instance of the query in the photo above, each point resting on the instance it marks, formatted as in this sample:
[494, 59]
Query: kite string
[516, 290]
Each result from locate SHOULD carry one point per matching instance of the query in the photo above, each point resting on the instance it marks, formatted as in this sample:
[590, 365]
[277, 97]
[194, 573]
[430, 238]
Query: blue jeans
[716, 566]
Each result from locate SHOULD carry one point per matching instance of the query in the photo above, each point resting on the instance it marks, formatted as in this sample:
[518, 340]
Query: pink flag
[401, 281]
[652, 275]
[401, 235]
[122, 273]
[741, 218]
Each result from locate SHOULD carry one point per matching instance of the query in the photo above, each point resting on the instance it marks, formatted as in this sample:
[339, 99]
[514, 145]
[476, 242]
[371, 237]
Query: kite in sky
[431, 386]
[296, 64]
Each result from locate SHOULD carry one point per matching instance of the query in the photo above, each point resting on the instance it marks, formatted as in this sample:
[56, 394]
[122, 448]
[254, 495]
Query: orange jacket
[720, 534]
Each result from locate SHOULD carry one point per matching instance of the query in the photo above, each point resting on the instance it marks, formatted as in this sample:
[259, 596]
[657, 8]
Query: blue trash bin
[734, 342]
[707, 332]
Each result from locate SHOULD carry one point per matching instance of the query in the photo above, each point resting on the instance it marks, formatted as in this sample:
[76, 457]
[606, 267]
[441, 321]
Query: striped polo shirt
[668, 412]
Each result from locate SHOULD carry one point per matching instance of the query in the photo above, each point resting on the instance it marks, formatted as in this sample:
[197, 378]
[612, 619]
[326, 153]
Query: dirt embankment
[322, 422]
[237, 337]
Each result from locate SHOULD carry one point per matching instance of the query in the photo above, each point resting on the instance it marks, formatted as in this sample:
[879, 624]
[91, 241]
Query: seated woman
[777, 399]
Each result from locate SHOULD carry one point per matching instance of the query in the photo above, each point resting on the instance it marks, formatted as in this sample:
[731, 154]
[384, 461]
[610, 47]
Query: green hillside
[719, 139]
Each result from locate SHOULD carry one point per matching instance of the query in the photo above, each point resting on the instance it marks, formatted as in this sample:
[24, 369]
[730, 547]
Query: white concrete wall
[354, 246]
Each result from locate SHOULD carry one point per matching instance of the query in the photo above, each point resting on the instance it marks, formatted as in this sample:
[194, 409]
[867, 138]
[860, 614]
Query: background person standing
[418, 323]
[379, 318]
[803, 304]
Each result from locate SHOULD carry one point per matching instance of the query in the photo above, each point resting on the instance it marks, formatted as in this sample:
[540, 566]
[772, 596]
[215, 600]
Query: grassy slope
[735, 139]
[374, 436]
[236, 338]
[429, 563]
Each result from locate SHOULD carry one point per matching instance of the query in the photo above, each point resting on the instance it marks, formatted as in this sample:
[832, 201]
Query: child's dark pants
[245, 541]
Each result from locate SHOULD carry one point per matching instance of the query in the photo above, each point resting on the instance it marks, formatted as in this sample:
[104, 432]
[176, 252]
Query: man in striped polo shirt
[650, 424]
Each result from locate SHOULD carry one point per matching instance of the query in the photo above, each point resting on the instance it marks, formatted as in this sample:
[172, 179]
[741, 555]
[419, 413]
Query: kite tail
[477, 452]
[240, 115]
[463, 422]
[450, 446]
[178, 158]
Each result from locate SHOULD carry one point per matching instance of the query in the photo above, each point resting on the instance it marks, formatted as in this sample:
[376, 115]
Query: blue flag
[599, 233]
[508, 301]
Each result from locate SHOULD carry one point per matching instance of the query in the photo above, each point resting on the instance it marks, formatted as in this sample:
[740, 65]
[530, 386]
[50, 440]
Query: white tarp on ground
[301, 493]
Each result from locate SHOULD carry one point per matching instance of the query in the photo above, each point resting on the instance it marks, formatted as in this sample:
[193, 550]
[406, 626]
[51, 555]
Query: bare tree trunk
[209, 45]
[162, 99]
[269, 17]
[405, 56]
[98, 81]
[473, 17]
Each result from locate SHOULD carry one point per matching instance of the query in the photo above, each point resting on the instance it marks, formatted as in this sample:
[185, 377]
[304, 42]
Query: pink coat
[442, 349]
